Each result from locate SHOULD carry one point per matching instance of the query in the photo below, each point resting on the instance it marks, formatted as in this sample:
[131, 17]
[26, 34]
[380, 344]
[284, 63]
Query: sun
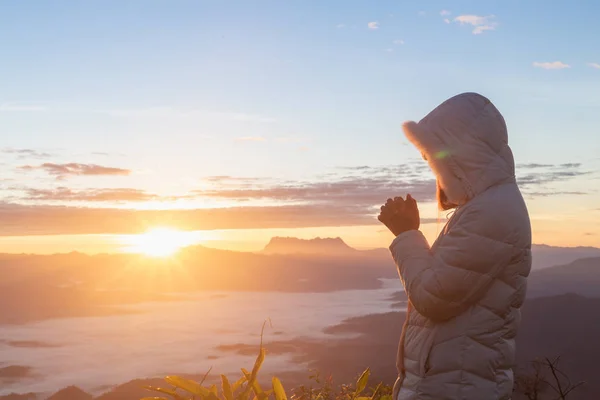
[158, 242]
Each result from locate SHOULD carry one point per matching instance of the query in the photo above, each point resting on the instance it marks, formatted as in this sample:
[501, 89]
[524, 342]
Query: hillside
[74, 284]
[545, 256]
[568, 326]
[581, 277]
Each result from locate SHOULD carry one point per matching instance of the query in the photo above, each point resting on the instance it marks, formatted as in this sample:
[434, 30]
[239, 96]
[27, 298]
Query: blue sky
[286, 91]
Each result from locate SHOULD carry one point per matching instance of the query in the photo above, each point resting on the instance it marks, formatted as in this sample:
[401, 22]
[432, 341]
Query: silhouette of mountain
[545, 256]
[76, 284]
[14, 372]
[73, 285]
[580, 277]
[322, 246]
[15, 396]
[568, 326]
[71, 393]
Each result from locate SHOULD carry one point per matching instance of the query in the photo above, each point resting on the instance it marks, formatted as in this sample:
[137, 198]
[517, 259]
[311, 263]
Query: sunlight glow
[159, 242]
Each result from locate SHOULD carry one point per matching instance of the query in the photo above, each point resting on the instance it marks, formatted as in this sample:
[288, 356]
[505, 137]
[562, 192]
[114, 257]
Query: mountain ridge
[318, 245]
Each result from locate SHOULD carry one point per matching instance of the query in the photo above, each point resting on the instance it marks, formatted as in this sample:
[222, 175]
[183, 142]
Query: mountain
[567, 326]
[545, 256]
[71, 393]
[15, 396]
[75, 285]
[291, 245]
[581, 277]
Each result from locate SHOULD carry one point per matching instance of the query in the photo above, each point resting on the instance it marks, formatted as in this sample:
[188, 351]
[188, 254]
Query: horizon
[226, 125]
[258, 248]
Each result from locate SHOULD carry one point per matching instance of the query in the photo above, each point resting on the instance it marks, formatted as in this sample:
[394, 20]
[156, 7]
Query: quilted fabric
[464, 291]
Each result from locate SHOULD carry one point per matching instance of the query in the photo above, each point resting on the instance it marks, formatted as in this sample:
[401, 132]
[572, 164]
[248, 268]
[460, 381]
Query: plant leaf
[254, 386]
[376, 391]
[227, 391]
[170, 392]
[205, 376]
[278, 389]
[361, 384]
[238, 383]
[213, 389]
[187, 385]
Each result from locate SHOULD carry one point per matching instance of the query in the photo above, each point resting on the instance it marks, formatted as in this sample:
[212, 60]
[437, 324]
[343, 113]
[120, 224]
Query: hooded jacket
[465, 291]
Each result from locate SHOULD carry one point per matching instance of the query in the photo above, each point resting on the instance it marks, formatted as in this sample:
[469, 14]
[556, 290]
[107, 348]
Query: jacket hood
[465, 142]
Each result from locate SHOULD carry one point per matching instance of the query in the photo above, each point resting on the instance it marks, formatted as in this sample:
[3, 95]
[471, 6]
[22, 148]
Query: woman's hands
[400, 215]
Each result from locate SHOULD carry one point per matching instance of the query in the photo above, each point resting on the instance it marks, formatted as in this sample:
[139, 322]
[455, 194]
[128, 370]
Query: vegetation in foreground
[545, 382]
[248, 388]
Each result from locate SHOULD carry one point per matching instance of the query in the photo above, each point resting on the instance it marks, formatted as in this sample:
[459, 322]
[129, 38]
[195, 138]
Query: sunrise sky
[253, 119]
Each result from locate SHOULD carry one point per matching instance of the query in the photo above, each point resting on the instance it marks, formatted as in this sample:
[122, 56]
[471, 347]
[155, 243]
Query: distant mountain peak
[292, 245]
[71, 393]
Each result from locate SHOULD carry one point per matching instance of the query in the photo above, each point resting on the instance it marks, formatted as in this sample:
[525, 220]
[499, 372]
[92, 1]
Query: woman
[465, 291]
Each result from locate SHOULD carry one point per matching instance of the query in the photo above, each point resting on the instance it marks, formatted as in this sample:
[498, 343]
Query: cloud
[26, 153]
[480, 29]
[71, 169]
[13, 107]
[47, 220]
[537, 180]
[480, 23]
[365, 187]
[570, 165]
[398, 41]
[388, 50]
[444, 13]
[343, 197]
[555, 193]
[534, 165]
[167, 112]
[446, 20]
[551, 65]
[250, 139]
[340, 26]
[18, 220]
[594, 65]
[373, 25]
[89, 195]
[230, 179]
[422, 13]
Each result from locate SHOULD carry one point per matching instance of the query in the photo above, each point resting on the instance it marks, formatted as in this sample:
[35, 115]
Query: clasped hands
[400, 215]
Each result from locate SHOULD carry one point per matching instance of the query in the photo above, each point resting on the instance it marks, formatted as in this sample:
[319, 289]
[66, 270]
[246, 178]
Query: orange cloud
[22, 220]
[346, 197]
[92, 195]
[63, 170]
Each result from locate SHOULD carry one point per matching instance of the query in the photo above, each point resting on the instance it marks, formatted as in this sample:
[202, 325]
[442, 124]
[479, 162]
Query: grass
[248, 388]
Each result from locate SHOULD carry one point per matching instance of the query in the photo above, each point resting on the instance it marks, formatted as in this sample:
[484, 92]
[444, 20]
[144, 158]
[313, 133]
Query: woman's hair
[442, 200]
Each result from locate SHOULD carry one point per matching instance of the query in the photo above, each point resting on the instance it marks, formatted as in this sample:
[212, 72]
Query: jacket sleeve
[442, 284]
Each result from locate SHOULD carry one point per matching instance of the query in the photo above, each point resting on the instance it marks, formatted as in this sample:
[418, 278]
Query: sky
[250, 119]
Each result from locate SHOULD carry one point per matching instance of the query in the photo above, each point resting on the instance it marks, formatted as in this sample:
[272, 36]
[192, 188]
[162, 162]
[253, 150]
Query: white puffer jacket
[465, 291]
